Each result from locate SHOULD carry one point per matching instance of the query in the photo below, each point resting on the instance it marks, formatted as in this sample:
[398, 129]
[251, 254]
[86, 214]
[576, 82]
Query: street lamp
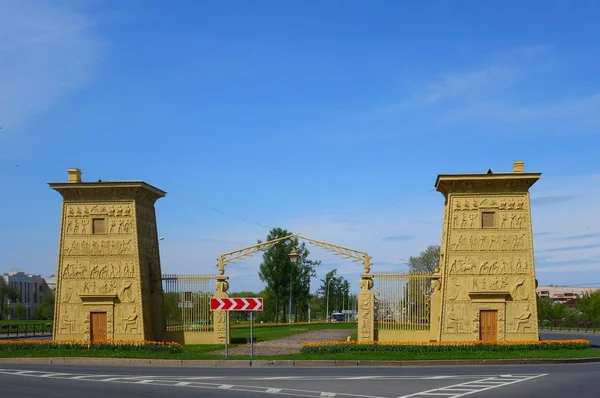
[327, 305]
[294, 259]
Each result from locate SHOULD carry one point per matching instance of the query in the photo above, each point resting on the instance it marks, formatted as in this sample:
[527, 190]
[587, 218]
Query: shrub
[113, 345]
[444, 346]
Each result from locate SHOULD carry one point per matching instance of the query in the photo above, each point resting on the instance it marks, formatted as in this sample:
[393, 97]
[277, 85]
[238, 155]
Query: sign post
[237, 304]
[251, 337]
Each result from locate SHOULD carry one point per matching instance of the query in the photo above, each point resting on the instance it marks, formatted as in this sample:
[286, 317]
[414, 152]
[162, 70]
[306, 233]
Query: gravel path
[288, 345]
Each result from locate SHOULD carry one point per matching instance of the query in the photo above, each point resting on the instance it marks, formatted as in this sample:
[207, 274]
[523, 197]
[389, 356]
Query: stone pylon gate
[486, 259]
[109, 272]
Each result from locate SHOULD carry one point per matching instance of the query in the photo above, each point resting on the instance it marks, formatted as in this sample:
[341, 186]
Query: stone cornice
[485, 183]
[138, 191]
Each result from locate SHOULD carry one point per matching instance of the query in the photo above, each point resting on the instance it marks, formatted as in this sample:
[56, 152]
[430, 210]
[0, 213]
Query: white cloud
[470, 82]
[47, 50]
[492, 92]
[580, 109]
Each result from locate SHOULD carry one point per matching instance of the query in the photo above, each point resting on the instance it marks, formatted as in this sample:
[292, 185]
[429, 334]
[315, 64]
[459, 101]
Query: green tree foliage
[589, 305]
[427, 261]
[339, 292]
[7, 293]
[45, 310]
[278, 272]
[20, 311]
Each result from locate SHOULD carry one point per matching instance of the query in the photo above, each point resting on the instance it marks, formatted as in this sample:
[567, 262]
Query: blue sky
[330, 119]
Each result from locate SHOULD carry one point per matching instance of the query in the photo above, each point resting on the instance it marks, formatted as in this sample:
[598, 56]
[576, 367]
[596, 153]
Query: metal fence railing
[25, 329]
[187, 302]
[402, 301]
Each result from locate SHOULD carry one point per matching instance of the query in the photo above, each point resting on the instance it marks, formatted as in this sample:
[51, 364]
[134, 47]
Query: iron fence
[402, 301]
[25, 329]
[187, 302]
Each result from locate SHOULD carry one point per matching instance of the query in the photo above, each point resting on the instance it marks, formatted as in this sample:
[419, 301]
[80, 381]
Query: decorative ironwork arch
[345, 252]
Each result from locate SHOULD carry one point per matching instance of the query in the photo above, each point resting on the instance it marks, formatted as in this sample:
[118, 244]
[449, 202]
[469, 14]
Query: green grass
[241, 335]
[201, 352]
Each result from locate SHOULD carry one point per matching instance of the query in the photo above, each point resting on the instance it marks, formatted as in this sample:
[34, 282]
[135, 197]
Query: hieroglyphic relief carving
[522, 320]
[500, 203]
[493, 266]
[97, 247]
[130, 321]
[465, 220]
[485, 241]
[513, 220]
[520, 291]
[78, 211]
[455, 321]
[455, 290]
[496, 283]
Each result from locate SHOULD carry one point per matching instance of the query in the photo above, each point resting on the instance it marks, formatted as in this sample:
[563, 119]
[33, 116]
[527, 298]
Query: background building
[564, 294]
[30, 288]
[51, 282]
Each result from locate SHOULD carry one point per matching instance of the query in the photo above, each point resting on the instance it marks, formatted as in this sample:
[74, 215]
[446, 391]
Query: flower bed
[114, 345]
[332, 347]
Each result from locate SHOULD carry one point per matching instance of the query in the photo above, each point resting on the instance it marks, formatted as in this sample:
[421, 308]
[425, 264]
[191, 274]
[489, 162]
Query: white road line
[183, 384]
[480, 385]
[143, 381]
[225, 387]
[327, 394]
[54, 374]
[273, 390]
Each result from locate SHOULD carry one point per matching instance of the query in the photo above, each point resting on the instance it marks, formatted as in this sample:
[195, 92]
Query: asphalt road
[70, 381]
[92, 381]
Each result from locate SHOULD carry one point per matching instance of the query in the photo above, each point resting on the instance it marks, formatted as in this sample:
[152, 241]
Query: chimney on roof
[74, 175]
[518, 166]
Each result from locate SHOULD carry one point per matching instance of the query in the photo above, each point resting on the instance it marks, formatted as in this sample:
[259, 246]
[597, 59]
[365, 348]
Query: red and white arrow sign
[236, 304]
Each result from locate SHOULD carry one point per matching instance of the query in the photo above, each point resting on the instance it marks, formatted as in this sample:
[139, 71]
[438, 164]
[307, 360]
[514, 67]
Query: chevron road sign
[236, 304]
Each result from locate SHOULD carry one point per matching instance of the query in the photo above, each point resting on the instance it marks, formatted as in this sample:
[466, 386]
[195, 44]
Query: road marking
[54, 374]
[476, 383]
[485, 384]
[183, 384]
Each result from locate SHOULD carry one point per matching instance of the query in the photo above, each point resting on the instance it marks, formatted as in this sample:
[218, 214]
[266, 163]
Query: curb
[225, 363]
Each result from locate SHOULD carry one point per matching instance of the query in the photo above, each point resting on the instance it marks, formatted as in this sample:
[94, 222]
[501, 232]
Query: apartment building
[563, 294]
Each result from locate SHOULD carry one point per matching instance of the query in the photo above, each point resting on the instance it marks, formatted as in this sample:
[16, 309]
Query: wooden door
[98, 326]
[488, 325]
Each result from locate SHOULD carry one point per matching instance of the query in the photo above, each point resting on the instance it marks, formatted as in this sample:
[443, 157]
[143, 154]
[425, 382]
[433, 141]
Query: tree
[45, 310]
[278, 272]
[20, 310]
[589, 304]
[427, 261]
[7, 293]
[337, 289]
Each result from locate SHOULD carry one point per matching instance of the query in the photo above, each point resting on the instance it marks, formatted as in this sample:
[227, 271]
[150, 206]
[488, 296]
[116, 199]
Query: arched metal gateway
[366, 327]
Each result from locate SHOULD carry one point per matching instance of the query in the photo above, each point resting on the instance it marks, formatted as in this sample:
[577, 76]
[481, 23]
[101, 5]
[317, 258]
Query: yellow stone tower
[109, 283]
[486, 257]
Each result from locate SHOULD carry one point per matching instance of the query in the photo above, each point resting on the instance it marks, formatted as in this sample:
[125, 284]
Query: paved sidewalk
[288, 345]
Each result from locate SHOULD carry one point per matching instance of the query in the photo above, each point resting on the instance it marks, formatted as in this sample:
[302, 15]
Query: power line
[360, 210]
